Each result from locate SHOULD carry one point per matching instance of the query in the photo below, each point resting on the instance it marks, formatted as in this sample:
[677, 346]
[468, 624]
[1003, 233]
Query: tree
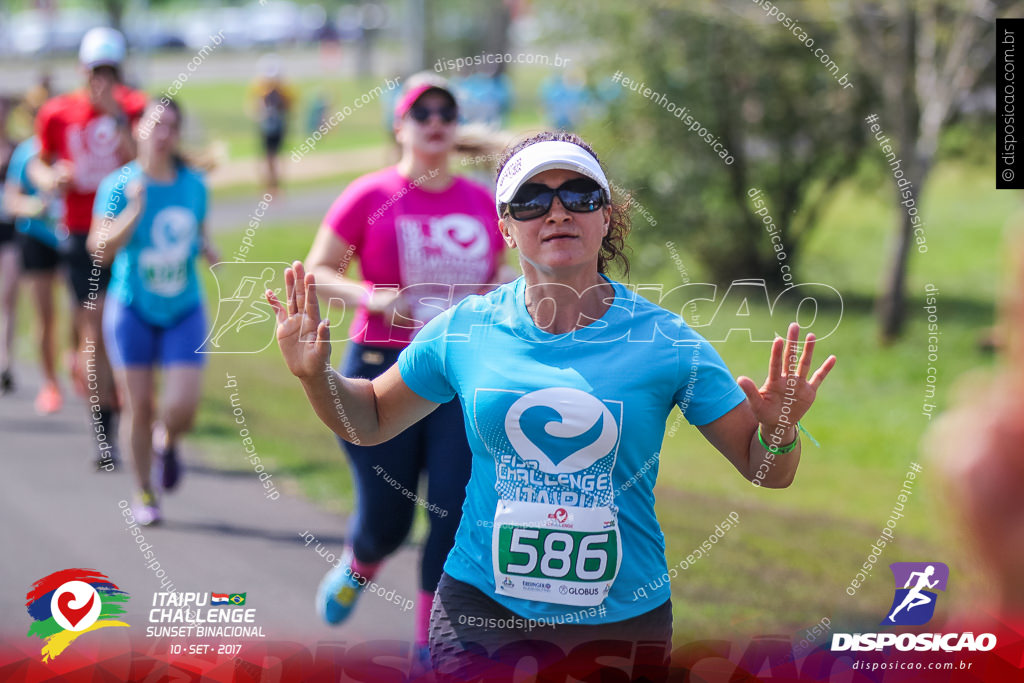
[789, 126]
[466, 28]
[115, 10]
[924, 58]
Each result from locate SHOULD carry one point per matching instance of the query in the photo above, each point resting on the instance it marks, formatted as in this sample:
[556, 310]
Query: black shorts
[36, 256]
[6, 232]
[473, 637]
[272, 141]
[85, 278]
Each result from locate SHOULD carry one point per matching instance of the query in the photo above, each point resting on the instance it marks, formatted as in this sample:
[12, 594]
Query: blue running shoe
[338, 591]
[421, 666]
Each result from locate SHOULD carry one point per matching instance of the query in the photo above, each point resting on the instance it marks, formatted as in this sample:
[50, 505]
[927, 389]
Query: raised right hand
[135, 194]
[303, 337]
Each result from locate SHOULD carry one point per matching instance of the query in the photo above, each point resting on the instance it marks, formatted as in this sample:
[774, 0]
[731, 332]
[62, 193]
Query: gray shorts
[473, 637]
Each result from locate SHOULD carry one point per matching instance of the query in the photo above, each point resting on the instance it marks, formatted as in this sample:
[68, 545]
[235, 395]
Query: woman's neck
[157, 167]
[567, 301]
[433, 170]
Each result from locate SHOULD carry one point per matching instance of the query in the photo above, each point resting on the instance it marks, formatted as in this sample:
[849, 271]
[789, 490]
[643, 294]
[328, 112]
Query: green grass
[791, 563]
[249, 190]
[794, 552]
[220, 107]
[272, 400]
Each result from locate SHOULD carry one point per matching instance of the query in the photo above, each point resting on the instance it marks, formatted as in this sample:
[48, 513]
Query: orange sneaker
[49, 400]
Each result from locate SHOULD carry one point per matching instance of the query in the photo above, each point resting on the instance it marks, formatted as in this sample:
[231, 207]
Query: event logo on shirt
[563, 430]
[101, 136]
[435, 252]
[93, 150]
[460, 236]
[556, 445]
[163, 266]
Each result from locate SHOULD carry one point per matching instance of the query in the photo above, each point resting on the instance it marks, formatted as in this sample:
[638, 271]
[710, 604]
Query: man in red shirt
[83, 137]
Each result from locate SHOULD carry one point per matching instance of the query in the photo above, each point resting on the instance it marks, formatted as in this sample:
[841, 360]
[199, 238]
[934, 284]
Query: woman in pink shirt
[425, 239]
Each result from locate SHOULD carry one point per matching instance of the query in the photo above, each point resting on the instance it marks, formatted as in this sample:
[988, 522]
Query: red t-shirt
[427, 241]
[70, 128]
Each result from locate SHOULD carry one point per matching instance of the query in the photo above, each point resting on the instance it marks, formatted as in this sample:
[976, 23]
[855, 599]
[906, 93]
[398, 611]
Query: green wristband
[777, 450]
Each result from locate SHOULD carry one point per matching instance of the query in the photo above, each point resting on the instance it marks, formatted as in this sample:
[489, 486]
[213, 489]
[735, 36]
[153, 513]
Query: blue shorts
[132, 341]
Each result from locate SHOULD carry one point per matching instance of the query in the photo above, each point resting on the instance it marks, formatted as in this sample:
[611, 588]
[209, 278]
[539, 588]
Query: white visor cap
[544, 156]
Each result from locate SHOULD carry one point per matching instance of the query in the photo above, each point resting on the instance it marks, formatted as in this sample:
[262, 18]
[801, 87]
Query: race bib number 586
[571, 555]
[566, 555]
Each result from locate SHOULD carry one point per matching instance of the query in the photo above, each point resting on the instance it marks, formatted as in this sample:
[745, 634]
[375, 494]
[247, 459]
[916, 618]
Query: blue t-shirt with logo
[559, 424]
[17, 174]
[155, 271]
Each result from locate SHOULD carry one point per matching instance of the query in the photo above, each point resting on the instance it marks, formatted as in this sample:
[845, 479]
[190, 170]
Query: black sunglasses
[579, 195]
[421, 113]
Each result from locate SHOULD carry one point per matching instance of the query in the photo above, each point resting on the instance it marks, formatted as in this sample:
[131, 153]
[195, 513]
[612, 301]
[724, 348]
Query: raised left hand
[787, 385]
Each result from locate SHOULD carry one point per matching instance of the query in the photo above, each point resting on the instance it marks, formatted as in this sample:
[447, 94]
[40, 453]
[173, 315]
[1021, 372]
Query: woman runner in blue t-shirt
[150, 214]
[566, 380]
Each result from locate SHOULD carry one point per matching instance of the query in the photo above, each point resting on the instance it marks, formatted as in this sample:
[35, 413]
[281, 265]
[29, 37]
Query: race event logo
[188, 615]
[913, 604]
[70, 603]
[556, 445]
[560, 518]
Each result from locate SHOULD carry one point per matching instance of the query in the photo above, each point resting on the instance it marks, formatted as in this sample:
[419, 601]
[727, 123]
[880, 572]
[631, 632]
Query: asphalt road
[220, 535]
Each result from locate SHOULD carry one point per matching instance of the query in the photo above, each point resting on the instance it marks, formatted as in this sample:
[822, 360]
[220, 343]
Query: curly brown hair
[613, 246]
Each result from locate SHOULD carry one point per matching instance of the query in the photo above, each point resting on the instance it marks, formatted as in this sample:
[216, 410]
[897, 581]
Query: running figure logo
[914, 603]
[244, 307]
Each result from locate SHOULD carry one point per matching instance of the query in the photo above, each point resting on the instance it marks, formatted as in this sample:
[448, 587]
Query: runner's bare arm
[774, 408]
[206, 246]
[734, 436]
[366, 412]
[19, 204]
[108, 235]
[357, 410]
[53, 175]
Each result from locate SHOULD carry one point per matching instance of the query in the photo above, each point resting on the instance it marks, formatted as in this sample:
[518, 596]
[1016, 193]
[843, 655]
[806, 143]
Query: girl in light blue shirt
[148, 219]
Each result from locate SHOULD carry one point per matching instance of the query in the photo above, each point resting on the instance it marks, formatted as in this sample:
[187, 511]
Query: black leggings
[387, 477]
[473, 637]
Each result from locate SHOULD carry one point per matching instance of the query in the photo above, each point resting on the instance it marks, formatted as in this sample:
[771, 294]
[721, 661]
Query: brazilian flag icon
[237, 598]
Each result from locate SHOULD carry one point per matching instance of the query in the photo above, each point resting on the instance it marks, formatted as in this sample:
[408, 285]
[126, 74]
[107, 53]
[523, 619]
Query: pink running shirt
[406, 236]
